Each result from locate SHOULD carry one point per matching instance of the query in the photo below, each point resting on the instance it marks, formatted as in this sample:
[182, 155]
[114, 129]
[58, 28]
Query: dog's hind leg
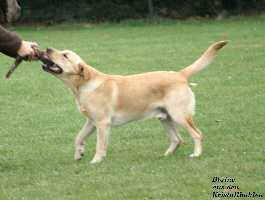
[186, 123]
[181, 110]
[79, 141]
[195, 134]
[175, 138]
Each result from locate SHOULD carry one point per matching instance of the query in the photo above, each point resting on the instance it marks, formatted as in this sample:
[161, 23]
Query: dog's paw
[168, 153]
[194, 155]
[97, 159]
[78, 156]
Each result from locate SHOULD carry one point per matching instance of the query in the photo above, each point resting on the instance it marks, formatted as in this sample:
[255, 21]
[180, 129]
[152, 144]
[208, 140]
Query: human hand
[26, 50]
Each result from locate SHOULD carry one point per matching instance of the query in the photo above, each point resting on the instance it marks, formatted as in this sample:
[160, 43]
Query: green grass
[40, 119]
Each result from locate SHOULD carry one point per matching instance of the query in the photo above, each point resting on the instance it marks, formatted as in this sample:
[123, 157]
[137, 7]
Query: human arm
[9, 42]
[12, 45]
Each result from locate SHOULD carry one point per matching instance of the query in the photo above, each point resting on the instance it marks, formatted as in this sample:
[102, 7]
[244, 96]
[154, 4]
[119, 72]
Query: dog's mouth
[50, 66]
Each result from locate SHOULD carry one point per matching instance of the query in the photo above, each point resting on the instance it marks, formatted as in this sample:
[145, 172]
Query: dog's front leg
[79, 141]
[103, 131]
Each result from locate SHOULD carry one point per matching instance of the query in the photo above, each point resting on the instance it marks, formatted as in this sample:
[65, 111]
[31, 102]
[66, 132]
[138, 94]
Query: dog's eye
[64, 55]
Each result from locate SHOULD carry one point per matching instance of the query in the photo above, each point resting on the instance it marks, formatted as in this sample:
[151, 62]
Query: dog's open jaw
[50, 66]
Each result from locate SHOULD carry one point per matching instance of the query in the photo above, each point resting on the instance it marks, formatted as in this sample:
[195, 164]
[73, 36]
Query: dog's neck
[76, 82]
[73, 88]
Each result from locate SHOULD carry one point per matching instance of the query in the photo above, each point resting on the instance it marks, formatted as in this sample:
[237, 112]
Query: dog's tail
[204, 60]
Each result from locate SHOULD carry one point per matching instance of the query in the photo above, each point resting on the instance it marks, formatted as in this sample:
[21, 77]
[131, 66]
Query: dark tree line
[55, 11]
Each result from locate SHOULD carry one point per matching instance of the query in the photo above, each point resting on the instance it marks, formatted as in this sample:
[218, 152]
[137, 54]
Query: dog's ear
[84, 71]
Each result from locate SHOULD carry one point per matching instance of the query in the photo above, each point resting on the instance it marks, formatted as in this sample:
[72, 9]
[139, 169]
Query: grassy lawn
[40, 119]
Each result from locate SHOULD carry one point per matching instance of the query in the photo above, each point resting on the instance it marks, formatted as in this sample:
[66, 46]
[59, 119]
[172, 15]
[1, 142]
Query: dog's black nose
[49, 49]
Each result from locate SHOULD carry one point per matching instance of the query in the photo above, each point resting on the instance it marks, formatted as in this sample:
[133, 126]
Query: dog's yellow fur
[113, 100]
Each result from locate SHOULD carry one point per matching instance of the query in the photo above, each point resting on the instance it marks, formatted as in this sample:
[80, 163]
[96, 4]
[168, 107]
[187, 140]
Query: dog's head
[65, 64]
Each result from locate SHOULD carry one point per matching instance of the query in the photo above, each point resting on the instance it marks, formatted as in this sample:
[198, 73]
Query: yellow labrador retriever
[113, 100]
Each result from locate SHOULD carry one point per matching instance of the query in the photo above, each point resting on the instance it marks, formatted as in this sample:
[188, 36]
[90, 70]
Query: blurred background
[101, 11]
